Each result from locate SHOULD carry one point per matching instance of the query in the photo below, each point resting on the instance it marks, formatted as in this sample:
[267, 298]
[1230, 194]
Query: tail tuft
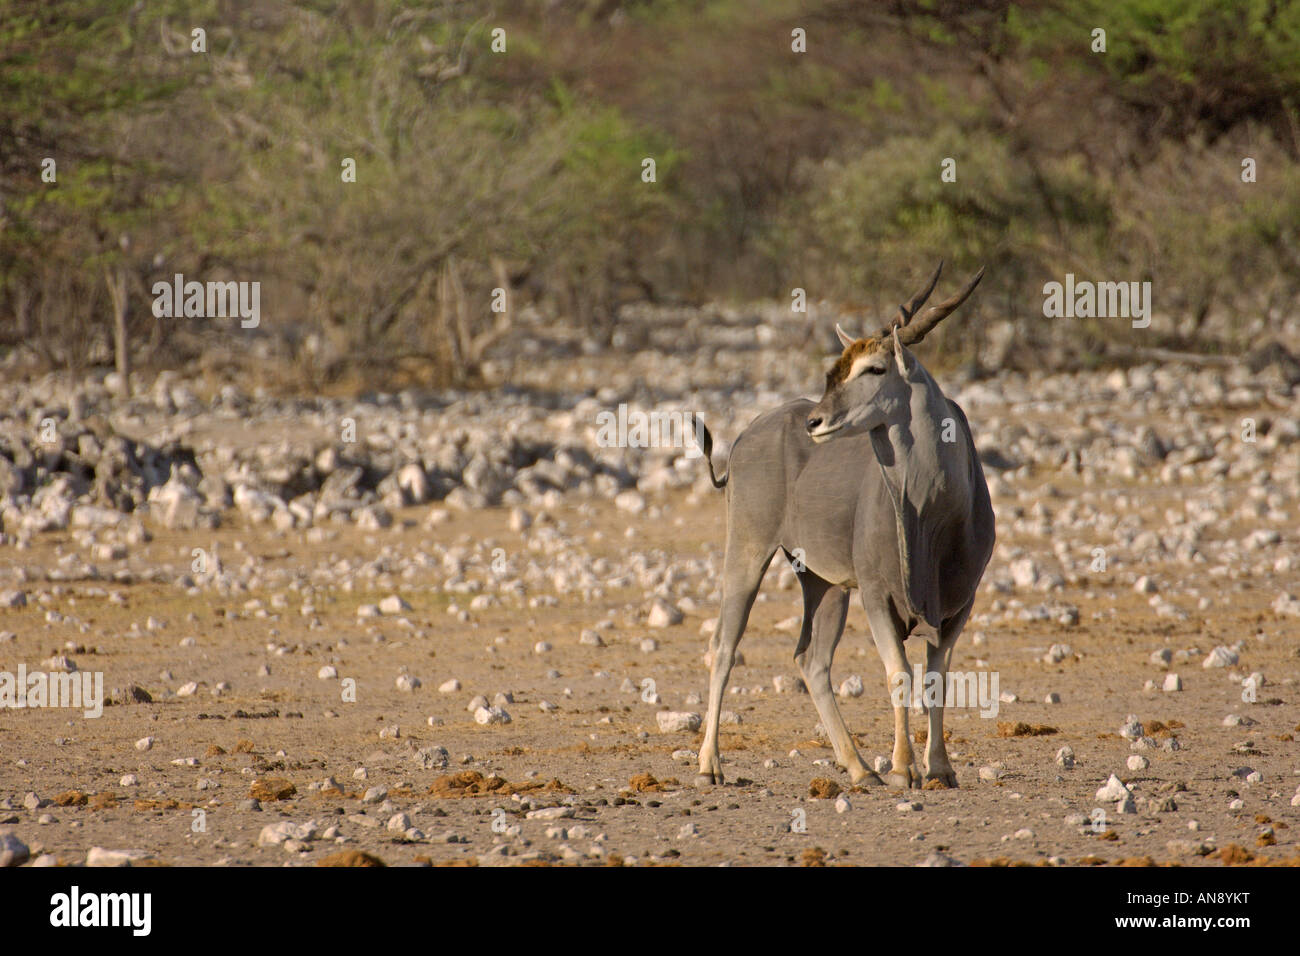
[706, 445]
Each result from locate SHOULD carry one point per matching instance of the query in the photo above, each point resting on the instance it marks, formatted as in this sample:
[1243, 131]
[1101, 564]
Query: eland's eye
[876, 369]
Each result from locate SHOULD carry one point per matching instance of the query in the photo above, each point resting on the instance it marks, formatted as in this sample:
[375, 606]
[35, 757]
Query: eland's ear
[845, 339]
[899, 356]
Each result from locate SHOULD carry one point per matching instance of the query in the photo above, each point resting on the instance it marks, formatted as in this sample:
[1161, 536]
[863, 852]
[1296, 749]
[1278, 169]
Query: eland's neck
[929, 444]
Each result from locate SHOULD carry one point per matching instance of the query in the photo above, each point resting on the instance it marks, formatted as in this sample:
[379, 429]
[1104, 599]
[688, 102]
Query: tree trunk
[116, 281]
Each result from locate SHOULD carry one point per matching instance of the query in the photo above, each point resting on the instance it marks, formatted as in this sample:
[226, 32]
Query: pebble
[1220, 657]
[673, 722]
[662, 614]
[328, 672]
[13, 851]
[275, 834]
[1173, 683]
[393, 604]
[99, 856]
[851, 686]
[550, 813]
[449, 686]
[1065, 757]
[591, 638]
[1138, 762]
[1057, 653]
[1114, 789]
[491, 715]
[144, 743]
[1131, 729]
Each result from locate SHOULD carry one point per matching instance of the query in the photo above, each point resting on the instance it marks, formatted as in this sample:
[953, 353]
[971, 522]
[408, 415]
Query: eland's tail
[706, 446]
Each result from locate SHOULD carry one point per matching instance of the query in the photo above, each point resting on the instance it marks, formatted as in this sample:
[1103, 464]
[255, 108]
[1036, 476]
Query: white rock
[13, 851]
[550, 813]
[663, 614]
[1173, 683]
[406, 683]
[851, 686]
[1220, 657]
[672, 722]
[275, 834]
[842, 804]
[393, 604]
[449, 686]
[328, 672]
[98, 856]
[1138, 762]
[491, 715]
[144, 743]
[1113, 790]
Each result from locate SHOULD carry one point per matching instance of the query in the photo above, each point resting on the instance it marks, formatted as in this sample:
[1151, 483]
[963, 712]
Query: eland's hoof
[902, 781]
[866, 778]
[708, 779]
[940, 780]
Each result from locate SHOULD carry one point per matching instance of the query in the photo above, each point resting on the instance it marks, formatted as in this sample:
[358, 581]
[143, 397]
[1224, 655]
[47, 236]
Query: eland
[876, 487]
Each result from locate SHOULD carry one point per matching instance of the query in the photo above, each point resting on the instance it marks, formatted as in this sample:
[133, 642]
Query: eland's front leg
[740, 582]
[889, 643]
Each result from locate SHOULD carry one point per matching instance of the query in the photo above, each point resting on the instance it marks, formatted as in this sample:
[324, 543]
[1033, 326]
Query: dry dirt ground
[600, 742]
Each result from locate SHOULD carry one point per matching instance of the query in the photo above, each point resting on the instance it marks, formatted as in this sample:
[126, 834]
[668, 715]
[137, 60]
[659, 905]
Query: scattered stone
[675, 722]
[663, 614]
[1114, 789]
[13, 851]
[1220, 657]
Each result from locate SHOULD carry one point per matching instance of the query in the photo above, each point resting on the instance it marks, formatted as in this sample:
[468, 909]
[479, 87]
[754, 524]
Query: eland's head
[869, 384]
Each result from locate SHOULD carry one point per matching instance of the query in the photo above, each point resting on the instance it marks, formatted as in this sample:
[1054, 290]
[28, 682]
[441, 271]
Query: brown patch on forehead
[839, 372]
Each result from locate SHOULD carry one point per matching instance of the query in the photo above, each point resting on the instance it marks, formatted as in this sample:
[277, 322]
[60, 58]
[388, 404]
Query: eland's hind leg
[824, 610]
[937, 658]
[742, 574]
[886, 631]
